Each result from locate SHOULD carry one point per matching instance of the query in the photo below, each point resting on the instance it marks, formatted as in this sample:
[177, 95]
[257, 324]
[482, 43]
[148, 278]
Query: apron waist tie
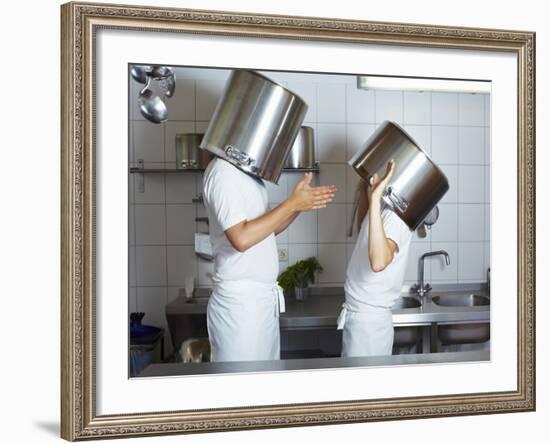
[342, 317]
[280, 300]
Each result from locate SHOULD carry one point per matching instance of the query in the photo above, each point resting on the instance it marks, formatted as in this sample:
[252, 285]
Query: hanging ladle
[151, 106]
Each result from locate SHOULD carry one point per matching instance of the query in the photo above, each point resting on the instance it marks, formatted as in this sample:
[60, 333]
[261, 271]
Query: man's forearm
[380, 251]
[248, 233]
[287, 222]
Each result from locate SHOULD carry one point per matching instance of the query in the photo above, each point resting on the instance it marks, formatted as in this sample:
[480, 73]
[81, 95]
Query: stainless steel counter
[167, 369]
[322, 307]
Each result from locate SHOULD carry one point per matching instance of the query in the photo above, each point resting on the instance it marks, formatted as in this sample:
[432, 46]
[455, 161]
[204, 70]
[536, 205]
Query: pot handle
[398, 202]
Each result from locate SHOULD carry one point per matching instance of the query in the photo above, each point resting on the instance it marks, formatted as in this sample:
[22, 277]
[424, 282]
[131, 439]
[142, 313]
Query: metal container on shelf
[188, 154]
[255, 124]
[302, 154]
[417, 184]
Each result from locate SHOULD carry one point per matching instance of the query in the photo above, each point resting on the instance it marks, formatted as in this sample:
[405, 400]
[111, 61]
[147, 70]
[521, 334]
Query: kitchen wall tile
[308, 92]
[471, 261]
[444, 108]
[132, 300]
[148, 141]
[333, 260]
[331, 142]
[445, 145]
[471, 146]
[150, 224]
[471, 109]
[297, 252]
[422, 136]
[451, 172]
[277, 192]
[332, 224]
[487, 108]
[471, 222]
[152, 301]
[153, 188]
[331, 103]
[487, 222]
[181, 187]
[349, 251]
[205, 273]
[487, 145]
[131, 144]
[415, 251]
[349, 215]
[132, 266]
[446, 227]
[180, 224]
[150, 265]
[440, 270]
[487, 197]
[131, 225]
[356, 136]
[389, 106]
[359, 105]
[208, 92]
[471, 184]
[171, 129]
[282, 238]
[182, 105]
[417, 108]
[333, 174]
[304, 228]
[487, 254]
[182, 262]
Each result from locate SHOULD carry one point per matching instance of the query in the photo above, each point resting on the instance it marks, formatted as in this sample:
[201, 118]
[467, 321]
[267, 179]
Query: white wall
[452, 128]
[30, 222]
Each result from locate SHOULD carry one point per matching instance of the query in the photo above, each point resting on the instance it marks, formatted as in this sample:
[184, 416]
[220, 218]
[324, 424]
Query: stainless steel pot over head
[417, 183]
[255, 123]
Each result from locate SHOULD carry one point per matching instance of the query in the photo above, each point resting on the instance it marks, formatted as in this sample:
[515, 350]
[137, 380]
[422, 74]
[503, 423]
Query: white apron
[243, 321]
[367, 330]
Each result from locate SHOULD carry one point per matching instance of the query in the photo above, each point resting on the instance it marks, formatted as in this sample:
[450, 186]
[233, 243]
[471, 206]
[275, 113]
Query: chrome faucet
[420, 288]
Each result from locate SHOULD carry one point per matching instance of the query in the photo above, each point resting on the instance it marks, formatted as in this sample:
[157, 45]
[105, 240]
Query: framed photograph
[145, 91]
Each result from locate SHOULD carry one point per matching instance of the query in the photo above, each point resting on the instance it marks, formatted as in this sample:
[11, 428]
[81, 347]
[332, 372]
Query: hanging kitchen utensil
[417, 184]
[428, 222]
[151, 106]
[255, 123]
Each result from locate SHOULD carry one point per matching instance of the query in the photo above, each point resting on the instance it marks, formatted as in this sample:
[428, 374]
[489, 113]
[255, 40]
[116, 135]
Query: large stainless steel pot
[255, 124]
[417, 183]
[302, 154]
[188, 154]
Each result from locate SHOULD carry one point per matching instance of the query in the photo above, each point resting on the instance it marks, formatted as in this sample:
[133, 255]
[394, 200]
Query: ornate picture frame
[80, 22]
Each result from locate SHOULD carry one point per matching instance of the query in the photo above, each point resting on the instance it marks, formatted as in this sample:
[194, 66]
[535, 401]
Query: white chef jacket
[366, 317]
[243, 310]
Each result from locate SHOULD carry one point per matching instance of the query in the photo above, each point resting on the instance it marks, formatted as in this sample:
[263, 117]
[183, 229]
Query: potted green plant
[297, 277]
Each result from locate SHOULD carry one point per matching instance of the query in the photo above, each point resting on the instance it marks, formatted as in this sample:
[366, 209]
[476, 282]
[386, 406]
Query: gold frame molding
[79, 22]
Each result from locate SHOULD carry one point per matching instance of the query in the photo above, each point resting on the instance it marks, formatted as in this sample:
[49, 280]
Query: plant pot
[301, 293]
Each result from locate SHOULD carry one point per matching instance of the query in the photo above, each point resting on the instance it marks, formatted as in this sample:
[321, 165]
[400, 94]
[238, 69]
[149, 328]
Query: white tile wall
[452, 128]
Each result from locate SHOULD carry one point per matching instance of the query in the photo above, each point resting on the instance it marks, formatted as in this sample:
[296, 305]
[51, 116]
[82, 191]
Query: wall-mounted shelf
[140, 169]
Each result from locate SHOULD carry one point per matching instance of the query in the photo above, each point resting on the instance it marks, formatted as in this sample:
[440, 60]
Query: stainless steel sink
[466, 332]
[406, 303]
[461, 300]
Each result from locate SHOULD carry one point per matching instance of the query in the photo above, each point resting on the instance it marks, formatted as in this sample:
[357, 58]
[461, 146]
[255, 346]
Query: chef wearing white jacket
[243, 310]
[375, 273]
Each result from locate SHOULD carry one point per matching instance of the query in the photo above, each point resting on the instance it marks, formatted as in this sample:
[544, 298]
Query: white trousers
[243, 322]
[366, 332]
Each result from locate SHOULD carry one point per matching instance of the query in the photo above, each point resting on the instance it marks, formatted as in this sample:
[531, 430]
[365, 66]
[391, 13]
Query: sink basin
[459, 334]
[459, 300]
[406, 303]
